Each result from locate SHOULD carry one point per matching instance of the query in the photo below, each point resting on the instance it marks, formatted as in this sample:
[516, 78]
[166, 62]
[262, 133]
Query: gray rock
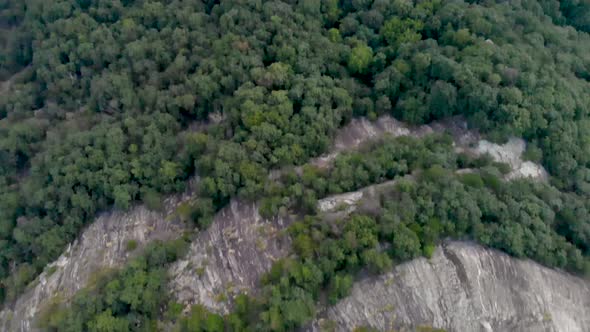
[465, 287]
[335, 202]
[103, 245]
[361, 131]
[238, 247]
[511, 154]
[229, 257]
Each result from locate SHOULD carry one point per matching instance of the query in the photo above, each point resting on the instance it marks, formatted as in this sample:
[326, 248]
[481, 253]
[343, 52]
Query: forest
[105, 104]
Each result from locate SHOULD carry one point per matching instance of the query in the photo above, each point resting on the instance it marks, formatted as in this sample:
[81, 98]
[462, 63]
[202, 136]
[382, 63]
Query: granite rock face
[361, 131]
[465, 287]
[229, 257]
[103, 245]
[511, 153]
[240, 246]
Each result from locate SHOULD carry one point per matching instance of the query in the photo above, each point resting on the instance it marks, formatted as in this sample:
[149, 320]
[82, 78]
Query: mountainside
[108, 243]
[257, 165]
[465, 287]
[231, 255]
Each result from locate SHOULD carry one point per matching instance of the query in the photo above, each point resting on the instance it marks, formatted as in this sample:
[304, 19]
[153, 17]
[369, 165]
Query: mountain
[261, 165]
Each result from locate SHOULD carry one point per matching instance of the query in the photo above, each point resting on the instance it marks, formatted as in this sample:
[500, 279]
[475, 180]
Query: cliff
[465, 287]
[102, 246]
[228, 257]
[232, 254]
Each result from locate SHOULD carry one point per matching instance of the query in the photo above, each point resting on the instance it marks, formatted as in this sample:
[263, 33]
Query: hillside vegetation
[104, 95]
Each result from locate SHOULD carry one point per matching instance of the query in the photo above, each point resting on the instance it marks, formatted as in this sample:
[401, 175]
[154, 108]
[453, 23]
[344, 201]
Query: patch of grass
[428, 250]
[389, 281]
[342, 206]
[131, 245]
[260, 244]
[327, 325]
[173, 310]
[221, 297]
[388, 308]
[547, 317]
[51, 270]
[200, 271]
[49, 313]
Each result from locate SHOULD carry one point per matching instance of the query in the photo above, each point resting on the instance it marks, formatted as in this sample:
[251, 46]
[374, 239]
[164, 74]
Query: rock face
[229, 257]
[335, 202]
[103, 245]
[511, 154]
[232, 254]
[360, 131]
[465, 287]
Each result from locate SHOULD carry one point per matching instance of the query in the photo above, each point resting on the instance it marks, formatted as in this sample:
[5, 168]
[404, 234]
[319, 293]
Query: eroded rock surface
[511, 154]
[229, 257]
[361, 131]
[344, 204]
[103, 245]
[342, 201]
[239, 246]
[465, 287]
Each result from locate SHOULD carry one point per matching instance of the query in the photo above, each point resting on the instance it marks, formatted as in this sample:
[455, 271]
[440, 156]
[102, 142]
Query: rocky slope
[465, 287]
[238, 247]
[360, 131]
[103, 245]
[228, 257]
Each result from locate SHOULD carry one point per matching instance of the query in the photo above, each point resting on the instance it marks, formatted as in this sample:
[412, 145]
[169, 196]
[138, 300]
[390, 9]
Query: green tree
[398, 31]
[360, 59]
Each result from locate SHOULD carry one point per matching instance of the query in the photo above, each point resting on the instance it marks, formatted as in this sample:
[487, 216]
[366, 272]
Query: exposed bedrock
[103, 245]
[239, 246]
[465, 287]
[360, 131]
[229, 257]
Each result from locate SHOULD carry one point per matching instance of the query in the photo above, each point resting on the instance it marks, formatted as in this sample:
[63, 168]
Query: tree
[339, 287]
[443, 99]
[397, 31]
[405, 243]
[105, 322]
[360, 59]
[122, 197]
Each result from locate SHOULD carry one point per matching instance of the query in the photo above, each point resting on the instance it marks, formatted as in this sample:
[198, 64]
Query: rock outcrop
[465, 287]
[511, 153]
[229, 257]
[361, 131]
[103, 245]
[239, 246]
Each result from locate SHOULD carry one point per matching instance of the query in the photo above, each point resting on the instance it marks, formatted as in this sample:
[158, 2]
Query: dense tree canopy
[522, 218]
[100, 102]
[406, 220]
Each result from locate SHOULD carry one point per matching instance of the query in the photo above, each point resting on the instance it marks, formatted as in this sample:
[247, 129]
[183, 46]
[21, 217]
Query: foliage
[522, 218]
[378, 162]
[125, 300]
[102, 110]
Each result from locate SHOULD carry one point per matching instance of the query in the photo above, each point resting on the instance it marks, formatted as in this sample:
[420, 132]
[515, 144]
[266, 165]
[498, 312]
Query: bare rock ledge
[465, 287]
